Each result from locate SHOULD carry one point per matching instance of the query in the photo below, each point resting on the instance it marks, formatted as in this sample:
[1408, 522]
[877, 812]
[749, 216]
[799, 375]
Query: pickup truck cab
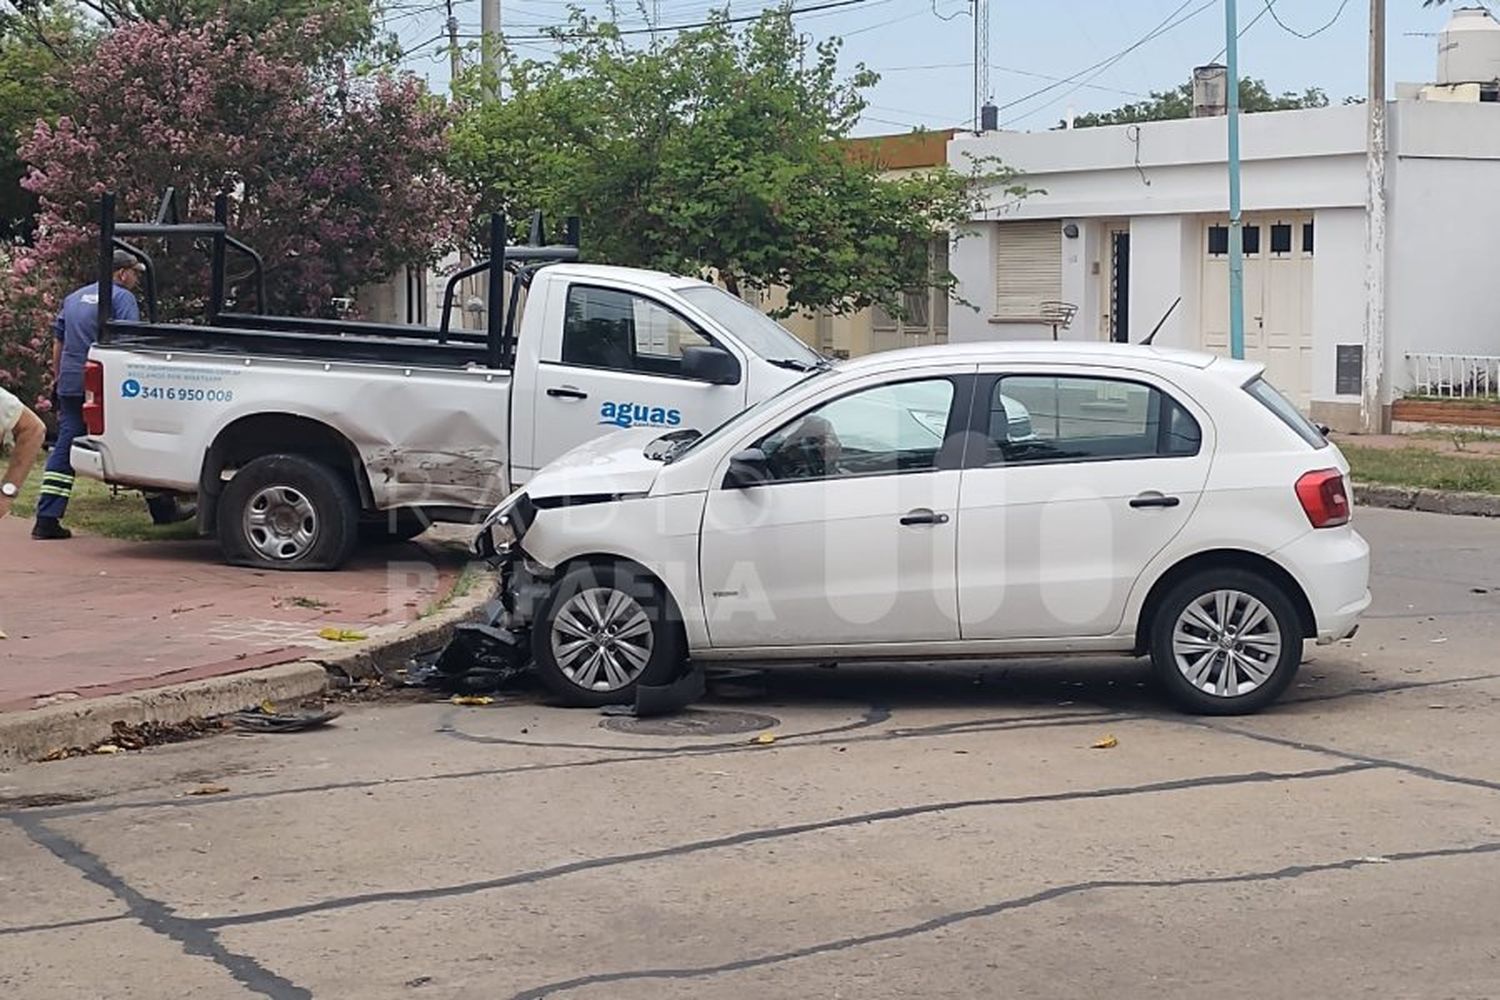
[299, 435]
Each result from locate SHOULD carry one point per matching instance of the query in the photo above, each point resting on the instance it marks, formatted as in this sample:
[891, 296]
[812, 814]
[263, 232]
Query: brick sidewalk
[92, 616]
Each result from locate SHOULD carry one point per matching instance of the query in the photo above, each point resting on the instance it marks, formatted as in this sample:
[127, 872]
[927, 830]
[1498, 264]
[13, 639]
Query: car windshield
[757, 331]
[746, 415]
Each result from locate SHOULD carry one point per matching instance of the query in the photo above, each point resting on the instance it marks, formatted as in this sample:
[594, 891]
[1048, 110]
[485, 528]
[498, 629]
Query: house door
[1278, 297]
[1119, 286]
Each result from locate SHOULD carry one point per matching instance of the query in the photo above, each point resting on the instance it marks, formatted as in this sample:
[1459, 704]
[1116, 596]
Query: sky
[923, 49]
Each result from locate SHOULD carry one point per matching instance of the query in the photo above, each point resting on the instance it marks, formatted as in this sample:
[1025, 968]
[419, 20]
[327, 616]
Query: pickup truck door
[611, 357]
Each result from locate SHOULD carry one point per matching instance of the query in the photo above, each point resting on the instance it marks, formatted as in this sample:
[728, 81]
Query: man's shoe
[49, 530]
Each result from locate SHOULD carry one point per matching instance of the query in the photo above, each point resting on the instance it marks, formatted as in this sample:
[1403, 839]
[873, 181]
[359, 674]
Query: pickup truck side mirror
[746, 468]
[710, 364]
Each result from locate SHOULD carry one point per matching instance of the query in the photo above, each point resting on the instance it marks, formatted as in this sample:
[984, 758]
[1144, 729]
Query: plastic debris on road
[258, 720]
[341, 635]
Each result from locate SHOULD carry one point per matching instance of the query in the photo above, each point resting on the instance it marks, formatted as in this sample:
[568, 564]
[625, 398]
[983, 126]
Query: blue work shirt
[77, 326]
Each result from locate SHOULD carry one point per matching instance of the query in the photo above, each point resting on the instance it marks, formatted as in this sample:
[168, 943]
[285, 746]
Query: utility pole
[1371, 403]
[1236, 239]
[490, 44]
[455, 61]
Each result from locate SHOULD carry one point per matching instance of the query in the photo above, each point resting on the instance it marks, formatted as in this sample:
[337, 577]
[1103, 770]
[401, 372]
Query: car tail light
[1324, 498]
[93, 397]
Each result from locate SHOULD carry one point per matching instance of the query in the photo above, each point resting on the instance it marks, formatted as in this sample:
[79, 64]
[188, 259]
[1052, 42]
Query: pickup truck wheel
[287, 512]
[601, 631]
[1226, 642]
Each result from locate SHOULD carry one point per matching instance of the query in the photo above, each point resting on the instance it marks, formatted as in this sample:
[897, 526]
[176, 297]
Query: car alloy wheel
[1226, 643]
[601, 639]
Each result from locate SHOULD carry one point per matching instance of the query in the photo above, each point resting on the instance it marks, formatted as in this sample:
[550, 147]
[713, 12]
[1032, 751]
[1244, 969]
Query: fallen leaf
[106, 748]
[268, 706]
[766, 738]
[472, 699]
[1107, 743]
[341, 635]
[209, 790]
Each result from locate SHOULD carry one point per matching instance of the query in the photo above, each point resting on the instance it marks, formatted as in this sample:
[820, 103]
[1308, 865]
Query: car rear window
[1285, 411]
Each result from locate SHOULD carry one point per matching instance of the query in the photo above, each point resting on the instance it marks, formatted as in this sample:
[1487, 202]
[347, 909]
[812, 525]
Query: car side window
[887, 429]
[609, 328]
[1056, 418]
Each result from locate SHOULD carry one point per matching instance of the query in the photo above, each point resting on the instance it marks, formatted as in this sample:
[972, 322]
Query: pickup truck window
[757, 331]
[609, 328]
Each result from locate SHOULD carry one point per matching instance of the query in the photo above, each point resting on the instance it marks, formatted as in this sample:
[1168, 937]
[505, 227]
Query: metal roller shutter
[1028, 268]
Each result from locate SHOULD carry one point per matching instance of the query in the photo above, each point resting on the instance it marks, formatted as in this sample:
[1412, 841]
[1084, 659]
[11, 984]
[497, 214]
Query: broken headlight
[504, 525]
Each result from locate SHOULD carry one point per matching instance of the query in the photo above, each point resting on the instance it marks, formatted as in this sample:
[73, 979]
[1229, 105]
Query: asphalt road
[911, 832]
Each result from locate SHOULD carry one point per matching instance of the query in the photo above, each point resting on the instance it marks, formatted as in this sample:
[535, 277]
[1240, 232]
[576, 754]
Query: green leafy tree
[716, 152]
[1178, 103]
[32, 51]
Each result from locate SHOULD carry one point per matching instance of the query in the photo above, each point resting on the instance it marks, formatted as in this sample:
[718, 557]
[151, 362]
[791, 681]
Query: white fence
[1453, 376]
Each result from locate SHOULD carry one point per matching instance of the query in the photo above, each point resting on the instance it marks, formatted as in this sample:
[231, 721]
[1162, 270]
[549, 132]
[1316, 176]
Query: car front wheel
[602, 631]
[1226, 642]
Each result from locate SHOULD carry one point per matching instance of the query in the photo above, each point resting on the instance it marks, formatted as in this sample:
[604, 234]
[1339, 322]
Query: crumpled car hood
[611, 465]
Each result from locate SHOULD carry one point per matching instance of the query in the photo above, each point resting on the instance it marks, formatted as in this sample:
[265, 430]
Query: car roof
[1059, 352]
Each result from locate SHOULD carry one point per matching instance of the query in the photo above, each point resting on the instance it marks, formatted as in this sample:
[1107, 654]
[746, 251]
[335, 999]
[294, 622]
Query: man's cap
[124, 260]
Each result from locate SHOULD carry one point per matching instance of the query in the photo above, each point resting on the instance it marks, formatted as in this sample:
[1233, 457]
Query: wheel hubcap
[1226, 643]
[601, 639]
[281, 523]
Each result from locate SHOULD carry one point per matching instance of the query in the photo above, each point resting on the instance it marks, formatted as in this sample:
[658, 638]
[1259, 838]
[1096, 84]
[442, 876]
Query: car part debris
[259, 720]
[664, 699]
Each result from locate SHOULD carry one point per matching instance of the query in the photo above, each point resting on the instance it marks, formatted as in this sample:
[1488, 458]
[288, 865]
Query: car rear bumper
[1333, 567]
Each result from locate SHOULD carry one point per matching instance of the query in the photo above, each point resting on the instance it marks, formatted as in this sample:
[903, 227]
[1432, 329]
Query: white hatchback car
[963, 501]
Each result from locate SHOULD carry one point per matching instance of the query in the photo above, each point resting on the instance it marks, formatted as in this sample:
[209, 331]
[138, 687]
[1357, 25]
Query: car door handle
[567, 392]
[923, 515]
[1151, 498]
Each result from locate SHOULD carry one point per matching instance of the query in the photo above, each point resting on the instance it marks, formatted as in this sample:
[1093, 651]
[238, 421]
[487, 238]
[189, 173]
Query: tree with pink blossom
[337, 180]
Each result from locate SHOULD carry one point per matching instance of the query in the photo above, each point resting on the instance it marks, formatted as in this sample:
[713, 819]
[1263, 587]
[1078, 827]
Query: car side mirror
[747, 468]
[710, 364]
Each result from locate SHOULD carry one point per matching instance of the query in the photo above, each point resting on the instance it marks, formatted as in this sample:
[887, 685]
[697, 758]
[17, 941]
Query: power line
[1167, 24]
[1008, 69]
[1271, 9]
[740, 19]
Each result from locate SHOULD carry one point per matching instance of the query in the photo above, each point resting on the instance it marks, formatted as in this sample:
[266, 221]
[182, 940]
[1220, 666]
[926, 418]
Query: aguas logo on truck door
[637, 415]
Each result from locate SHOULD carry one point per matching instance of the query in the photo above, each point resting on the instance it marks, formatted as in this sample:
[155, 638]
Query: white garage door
[1278, 297]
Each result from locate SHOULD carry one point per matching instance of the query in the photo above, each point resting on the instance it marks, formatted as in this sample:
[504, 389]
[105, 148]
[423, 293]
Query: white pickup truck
[299, 436]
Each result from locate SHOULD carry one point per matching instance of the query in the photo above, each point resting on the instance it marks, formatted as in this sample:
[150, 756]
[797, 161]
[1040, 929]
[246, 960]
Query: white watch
[9, 489]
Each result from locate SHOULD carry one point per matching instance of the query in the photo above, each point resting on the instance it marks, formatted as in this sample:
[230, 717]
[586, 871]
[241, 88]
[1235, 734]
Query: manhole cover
[692, 722]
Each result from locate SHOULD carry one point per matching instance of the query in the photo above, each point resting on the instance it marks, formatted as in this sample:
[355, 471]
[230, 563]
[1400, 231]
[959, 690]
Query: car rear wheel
[1226, 642]
[601, 632]
[287, 512]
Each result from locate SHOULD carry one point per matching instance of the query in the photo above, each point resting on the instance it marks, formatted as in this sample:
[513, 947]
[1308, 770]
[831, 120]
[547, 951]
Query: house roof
[902, 152]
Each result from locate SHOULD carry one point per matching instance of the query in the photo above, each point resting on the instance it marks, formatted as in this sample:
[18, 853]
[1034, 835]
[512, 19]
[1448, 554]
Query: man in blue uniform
[74, 332]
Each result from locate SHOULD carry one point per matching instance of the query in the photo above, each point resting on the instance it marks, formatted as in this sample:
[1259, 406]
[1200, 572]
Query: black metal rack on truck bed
[225, 331]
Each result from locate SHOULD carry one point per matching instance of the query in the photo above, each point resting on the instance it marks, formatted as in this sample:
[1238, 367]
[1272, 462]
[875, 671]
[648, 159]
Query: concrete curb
[34, 733]
[374, 657]
[1431, 501]
[26, 736]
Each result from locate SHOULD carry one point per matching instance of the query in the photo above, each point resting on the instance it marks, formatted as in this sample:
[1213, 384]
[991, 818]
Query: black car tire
[1281, 653]
[316, 503]
[581, 587]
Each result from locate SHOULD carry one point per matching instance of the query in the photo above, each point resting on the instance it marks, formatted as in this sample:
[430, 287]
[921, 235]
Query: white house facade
[1123, 221]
